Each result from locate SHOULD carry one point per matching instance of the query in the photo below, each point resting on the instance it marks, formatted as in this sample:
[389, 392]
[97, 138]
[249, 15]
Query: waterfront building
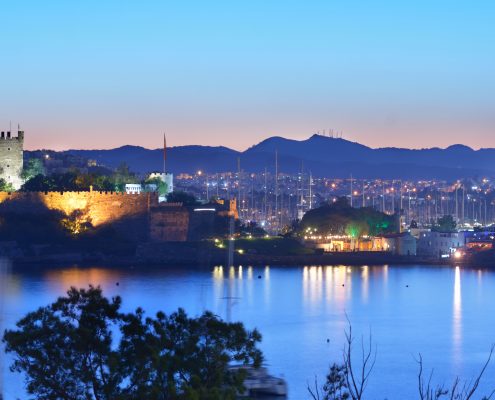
[401, 244]
[440, 244]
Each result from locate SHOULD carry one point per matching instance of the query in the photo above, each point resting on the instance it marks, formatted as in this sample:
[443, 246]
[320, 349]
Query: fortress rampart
[127, 214]
[137, 216]
[101, 207]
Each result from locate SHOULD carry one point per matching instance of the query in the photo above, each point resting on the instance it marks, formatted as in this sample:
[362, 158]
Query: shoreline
[199, 258]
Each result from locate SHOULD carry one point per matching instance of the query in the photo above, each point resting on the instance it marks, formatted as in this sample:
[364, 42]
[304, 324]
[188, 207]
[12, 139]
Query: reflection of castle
[11, 163]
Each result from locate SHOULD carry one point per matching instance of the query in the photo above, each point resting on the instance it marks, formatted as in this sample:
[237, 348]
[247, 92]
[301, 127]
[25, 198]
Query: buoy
[117, 284]
[343, 285]
[407, 285]
[259, 276]
[328, 340]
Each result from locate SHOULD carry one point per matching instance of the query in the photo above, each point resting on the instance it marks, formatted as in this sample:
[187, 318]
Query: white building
[438, 244]
[133, 188]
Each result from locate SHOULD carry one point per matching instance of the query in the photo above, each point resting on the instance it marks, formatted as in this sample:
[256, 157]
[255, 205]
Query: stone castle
[11, 158]
[140, 217]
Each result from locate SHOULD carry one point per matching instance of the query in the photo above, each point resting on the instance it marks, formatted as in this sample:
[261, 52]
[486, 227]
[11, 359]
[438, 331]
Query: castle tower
[11, 158]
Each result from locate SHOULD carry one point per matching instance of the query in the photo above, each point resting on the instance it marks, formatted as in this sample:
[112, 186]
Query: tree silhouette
[67, 350]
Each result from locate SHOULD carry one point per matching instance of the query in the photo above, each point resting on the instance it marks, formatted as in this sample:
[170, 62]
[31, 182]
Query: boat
[258, 383]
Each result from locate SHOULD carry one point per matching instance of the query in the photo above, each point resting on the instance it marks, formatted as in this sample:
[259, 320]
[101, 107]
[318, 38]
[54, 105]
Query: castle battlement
[82, 193]
[101, 207]
[7, 136]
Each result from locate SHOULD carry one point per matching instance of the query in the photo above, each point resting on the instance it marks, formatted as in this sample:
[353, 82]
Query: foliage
[160, 185]
[68, 181]
[290, 230]
[98, 182]
[33, 167]
[356, 229]
[29, 229]
[38, 183]
[445, 224]
[75, 180]
[67, 350]
[6, 187]
[56, 232]
[340, 218]
[186, 199]
[457, 391]
[76, 222]
[335, 386]
[122, 176]
[251, 228]
[346, 381]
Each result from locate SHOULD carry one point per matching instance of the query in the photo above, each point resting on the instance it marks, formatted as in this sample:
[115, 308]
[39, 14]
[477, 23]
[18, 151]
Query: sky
[102, 73]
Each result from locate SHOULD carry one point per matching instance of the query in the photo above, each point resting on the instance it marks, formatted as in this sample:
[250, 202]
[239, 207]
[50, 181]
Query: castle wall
[126, 212]
[169, 223]
[11, 158]
[102, 207]
[139, 217]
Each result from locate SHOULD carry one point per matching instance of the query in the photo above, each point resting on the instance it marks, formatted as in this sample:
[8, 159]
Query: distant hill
[324, 156]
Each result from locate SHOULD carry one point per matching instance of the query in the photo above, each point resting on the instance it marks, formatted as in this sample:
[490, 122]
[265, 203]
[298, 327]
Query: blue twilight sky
[99, 74]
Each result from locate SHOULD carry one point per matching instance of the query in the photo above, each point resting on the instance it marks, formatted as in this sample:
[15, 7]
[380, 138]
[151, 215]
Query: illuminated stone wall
[101, 207]
[138, 216]
[127, 213]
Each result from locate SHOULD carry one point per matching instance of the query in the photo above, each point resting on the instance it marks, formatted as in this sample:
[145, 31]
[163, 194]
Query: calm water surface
[447, 314]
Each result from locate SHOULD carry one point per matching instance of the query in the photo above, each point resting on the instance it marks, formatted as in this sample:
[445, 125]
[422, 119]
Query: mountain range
[322, 155]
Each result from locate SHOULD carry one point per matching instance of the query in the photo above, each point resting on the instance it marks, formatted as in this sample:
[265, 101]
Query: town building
[440, 244]
[401, 244]
[133, 188]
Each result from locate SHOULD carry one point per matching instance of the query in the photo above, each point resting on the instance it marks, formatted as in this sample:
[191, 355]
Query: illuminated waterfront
[444, 313]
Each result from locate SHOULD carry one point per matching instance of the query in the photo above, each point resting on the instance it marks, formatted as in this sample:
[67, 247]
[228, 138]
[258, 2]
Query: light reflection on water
[444, 313]
[457, 319]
